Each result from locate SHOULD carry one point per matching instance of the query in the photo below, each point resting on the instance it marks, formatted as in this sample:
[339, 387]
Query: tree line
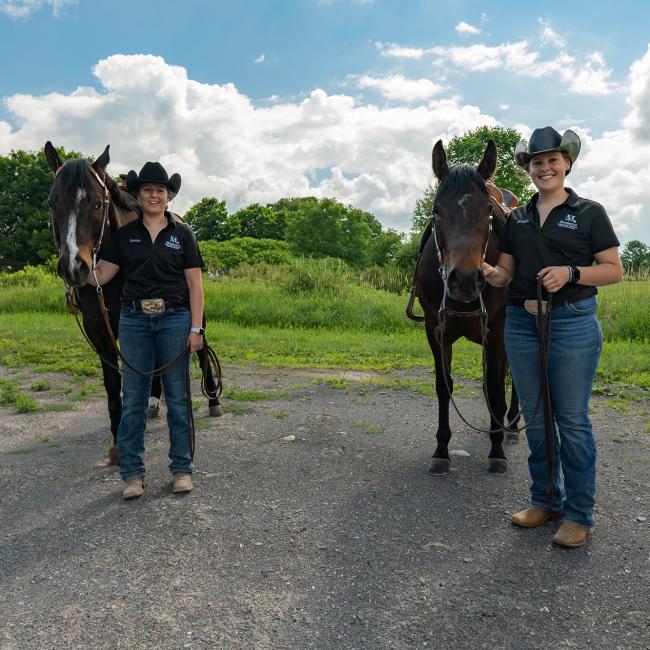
[310, 226]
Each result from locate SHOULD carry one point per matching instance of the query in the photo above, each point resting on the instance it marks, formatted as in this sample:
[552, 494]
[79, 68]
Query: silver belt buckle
[531, 307]
[152, 305]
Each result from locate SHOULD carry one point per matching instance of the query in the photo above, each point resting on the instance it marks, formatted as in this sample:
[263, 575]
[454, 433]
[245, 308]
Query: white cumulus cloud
[466, 28]
[398, 87]
[23, 8]
[224, 145]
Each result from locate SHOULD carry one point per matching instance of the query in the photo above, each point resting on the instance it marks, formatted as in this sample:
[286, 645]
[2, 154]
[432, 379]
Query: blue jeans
[144, 338]
[576, 344]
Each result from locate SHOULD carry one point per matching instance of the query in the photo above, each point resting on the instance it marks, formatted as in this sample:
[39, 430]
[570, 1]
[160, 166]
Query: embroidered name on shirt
[569, 222]
[135, 241]
[173, 242]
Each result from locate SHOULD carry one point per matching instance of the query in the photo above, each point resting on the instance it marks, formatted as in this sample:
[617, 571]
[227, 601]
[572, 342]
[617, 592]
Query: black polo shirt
[154, 270]
[572, 233]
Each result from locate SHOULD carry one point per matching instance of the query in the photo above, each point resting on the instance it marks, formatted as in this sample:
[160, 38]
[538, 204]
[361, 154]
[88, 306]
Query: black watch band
[575, 274]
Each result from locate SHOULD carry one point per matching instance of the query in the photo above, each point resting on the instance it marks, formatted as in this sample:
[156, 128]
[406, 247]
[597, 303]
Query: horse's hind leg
[440, 462]
[153, 411]
[496, 371]
[512, 417]
[113, 386]
[214, 408]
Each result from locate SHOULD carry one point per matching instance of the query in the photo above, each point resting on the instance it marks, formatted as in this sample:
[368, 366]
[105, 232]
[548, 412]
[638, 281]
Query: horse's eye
[98, 205]
[436, 212]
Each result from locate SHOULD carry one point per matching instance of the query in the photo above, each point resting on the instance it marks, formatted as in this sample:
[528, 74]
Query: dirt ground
[313, 525]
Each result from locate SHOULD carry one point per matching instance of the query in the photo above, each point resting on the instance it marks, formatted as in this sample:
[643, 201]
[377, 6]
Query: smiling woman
[161, 317]
[565, 245]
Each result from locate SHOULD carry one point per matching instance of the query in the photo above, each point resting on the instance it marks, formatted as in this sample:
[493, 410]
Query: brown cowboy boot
[571, 534]
[533, 517]
[182, 483]
[133, 488]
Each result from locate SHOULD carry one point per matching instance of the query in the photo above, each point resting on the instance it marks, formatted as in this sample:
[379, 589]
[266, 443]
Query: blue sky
[254, 100]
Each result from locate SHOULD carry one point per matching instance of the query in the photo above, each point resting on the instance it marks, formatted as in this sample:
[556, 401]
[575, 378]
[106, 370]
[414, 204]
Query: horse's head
[461, 213]
[78, 204]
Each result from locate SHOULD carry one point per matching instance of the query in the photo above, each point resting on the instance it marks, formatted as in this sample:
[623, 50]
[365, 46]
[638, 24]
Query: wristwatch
[198, 330]
[575, 274]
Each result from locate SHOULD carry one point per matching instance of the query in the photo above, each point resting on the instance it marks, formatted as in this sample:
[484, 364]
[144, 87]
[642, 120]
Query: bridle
[445, 310]
[544, 336]
[74, 309]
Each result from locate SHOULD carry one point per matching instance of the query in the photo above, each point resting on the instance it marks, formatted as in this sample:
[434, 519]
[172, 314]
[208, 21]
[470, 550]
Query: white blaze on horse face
[463, 201]
[71, 239]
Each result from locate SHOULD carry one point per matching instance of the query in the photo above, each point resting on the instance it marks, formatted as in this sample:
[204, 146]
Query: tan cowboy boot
[571, 534]
[182, 483]
[133, 488]
[533, 517]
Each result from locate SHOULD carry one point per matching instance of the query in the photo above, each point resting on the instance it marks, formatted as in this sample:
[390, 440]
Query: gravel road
[313, 525]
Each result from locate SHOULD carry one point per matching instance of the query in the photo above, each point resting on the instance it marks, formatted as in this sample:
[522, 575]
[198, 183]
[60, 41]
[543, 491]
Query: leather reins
[544, 335]
[74, 309]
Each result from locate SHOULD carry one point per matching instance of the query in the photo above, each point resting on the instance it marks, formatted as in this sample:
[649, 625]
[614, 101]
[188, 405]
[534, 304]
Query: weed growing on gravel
[335, 382]
[20, 450]
[56, 407]
[41, 385]
[369, 428]
[10, 395]
[253, 395]
[239, 410]
[279, 415]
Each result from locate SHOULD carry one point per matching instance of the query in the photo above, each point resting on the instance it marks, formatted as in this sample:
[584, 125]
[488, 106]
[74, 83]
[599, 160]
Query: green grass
[41, 385]
[50, 342]
[252, 395]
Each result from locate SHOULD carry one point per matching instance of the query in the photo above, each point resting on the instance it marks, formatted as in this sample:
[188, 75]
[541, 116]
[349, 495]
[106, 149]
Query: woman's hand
[554, 277]
[194, 342]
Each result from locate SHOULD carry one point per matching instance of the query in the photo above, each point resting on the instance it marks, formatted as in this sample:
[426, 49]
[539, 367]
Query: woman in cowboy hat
[568, 244]
[161, 317]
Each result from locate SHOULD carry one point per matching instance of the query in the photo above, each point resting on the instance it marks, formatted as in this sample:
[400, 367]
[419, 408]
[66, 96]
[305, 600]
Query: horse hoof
[497, 465]
[153, 412]
[113, 456]
[216, 411]
[438, 466]
[512, 437]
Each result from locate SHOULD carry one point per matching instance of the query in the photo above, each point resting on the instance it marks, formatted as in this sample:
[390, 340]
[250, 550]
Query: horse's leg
[156, 391]
[496, 376]
[113, 386]
[440, 461]
[512, 417]
[214, 408]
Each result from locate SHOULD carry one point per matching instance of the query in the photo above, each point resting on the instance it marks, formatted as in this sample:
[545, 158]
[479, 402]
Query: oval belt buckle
[531, 307]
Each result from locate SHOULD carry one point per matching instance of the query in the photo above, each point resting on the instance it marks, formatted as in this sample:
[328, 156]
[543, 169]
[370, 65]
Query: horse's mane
[459, 180]
[77, 173]
[73, 175]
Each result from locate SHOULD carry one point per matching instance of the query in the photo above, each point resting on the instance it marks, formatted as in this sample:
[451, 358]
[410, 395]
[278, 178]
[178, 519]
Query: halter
[444, 309]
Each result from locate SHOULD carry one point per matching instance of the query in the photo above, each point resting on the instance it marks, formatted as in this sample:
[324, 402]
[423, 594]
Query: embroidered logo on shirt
[569, 222]
[135, 241]
[173, 242]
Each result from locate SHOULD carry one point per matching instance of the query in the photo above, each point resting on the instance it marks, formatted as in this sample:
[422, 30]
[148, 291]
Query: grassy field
[307, 314]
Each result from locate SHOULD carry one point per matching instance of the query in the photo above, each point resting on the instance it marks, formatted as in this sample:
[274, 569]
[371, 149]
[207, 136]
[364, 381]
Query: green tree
[260, 222]
[327, 228]
[384, 246]
[210, 220]
[423, 209]
[469, 148]
[635, 256]
[25, 233]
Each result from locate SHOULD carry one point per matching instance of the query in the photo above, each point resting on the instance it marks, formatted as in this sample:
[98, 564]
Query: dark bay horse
[82, 195]
[453, 292]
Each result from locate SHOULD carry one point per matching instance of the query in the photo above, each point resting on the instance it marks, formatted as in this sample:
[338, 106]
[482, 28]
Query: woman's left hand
[194, 342]
[554, 277]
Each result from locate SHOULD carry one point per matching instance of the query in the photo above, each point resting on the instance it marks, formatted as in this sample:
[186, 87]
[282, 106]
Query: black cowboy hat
[153, 172]
[546, 140]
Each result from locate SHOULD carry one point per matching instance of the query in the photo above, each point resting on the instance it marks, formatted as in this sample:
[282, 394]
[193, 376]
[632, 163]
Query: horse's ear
[488, 164]
[439, 161]
[52, 156]
[103, 160]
